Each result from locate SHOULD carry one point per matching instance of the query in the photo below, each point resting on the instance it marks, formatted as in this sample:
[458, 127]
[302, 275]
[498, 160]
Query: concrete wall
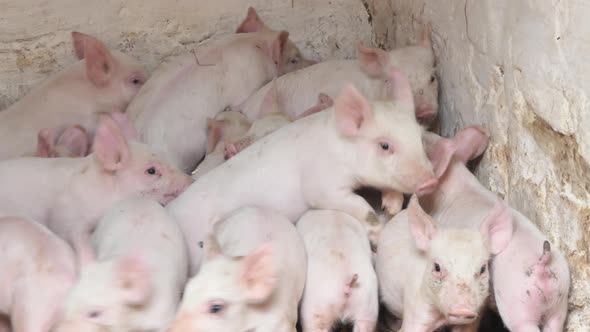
[516, 66]
[519, 68]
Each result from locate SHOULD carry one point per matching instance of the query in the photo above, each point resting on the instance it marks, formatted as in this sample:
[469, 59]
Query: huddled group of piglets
[103, 229]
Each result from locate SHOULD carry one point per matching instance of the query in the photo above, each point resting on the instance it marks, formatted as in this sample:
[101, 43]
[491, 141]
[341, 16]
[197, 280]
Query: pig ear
[277, 48]
[351, 110]
[401, 90]
[251, 23]
[425, 36]
[471, 143]
[75, 140]
[45, 143]
[421, 224]
[127, 128]
[211, 247]
[440, 156]
[110, 147]
[78, 41]
[134, 280]
[258, 274]
[373, 61]
[497, 227]
[100, 63]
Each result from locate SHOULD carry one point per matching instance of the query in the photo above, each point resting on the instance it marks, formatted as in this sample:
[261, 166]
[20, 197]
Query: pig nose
[462, 315]
[427, 187]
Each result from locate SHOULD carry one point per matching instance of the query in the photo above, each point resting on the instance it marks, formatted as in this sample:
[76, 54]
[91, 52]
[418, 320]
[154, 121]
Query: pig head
[226, 290]
[456, 277]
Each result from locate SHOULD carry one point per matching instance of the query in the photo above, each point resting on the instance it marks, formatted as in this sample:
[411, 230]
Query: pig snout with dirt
[530, 277]
[341, 282]
[271, 119]
[370, 73]
[225, 127]
[182, 94]
[316, 162]
[69, 195]
[430, 276]
[252, 277]
[38, 270]
[101, 81]
[136, 281]
[73, 142]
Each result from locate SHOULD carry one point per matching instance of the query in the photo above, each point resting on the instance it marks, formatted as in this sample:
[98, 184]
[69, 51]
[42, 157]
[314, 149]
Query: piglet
[138, 276]
[271, 118]
[224, 127]
[252, 278]
[171, 111]
[73, 142]
[38, 270]
[432, 275]
[370, 73]
[530, 277]
[341, 282]
[101, 81]
[69, 195]
[315, 162]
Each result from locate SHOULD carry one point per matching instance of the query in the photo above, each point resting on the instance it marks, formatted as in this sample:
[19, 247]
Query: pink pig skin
[315, 162]
[370, 73]
[530, 287]
[38, 270]
[135, 284]
[253, 275]
[341, 282]
[171, 111]
[73, 96]
[69, 195]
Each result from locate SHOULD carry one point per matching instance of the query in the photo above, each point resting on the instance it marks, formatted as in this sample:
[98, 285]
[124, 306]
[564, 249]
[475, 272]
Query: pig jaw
[456, 276]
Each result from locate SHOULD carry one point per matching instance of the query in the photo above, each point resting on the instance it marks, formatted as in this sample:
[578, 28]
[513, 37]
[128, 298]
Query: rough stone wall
[35, 35]
[519, 68]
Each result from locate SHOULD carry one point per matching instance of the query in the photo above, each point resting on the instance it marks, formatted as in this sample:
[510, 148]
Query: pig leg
[324, 101]
[232, 149]
[392, 202]
[355, 206]
[555, 322]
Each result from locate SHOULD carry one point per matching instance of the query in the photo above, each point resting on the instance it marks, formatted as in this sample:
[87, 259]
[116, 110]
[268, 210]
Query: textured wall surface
[519, 68]
[35, 35]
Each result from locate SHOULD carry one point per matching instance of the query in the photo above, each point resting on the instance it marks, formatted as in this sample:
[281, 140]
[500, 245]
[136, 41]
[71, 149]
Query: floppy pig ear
[440, 156]
[351, 110]
[78, 42]
[258, 274]
[110, 146]
[421, 224]
[401, 90]
[45, 143]
[471, 143]
[372, 60]
[75, 140]
[497, 227]
[278, 47]
[134, 279]
[100, 64]
[251, 23]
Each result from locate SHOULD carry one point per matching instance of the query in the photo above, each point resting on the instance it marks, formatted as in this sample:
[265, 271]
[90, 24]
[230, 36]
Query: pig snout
[425, 112]
[178, 186]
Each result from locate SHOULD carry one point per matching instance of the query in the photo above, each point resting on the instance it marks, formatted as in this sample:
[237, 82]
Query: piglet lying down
[315, 162]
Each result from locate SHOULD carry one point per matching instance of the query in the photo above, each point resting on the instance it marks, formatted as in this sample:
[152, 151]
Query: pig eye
[94, 314]
[216, 307]
[432, 78]
[151, 171]
[436, 267]
[136, 81]
[386, 146]
[294, 60]
[483, 269]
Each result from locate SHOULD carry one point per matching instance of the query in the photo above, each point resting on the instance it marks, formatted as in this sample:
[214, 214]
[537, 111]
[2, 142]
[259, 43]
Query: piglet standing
[137, 279]
[530, 278]
[101, 81]
[315, 162]
[70, 195]
[225, 127]
[341, 282]
[252, 278]
[430, 276]
[37, 271]
[171, 111]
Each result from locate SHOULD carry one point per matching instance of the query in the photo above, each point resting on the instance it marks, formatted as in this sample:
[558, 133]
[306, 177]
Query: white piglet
[430, 276]
[315, 162]
[136, 282]
[252, 278]
[101, 81]
[341, 282]
[37, 270]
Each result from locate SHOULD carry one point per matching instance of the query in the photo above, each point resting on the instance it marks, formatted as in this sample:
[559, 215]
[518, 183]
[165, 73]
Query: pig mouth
[459, 318]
